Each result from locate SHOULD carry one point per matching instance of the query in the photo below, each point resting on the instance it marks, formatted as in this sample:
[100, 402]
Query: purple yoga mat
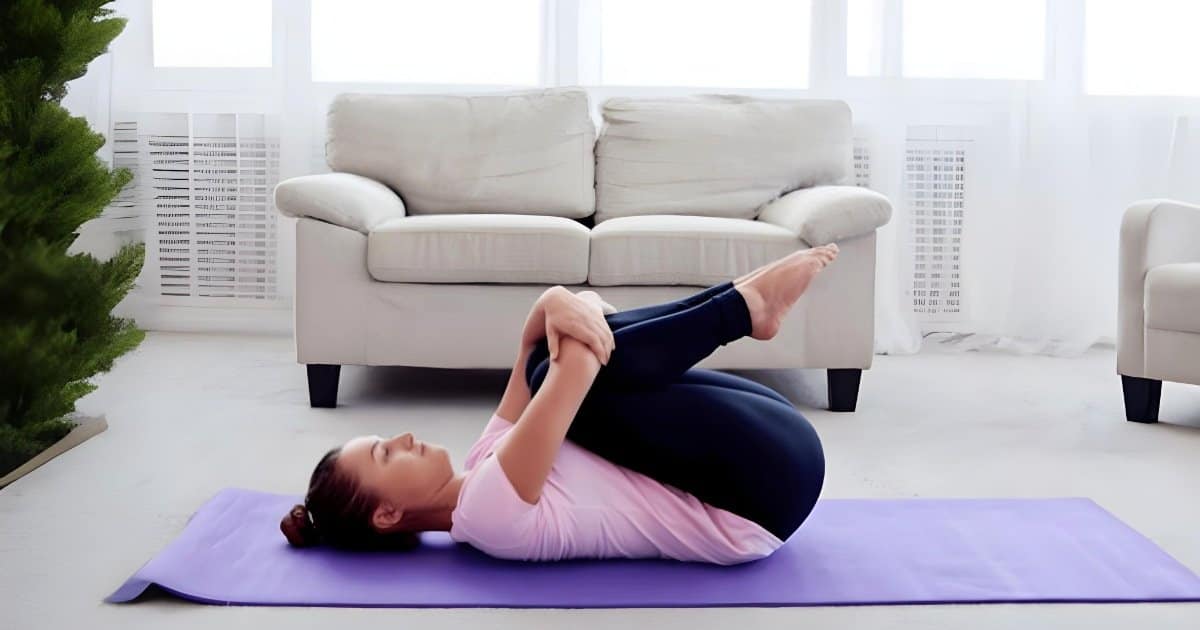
[850, 551]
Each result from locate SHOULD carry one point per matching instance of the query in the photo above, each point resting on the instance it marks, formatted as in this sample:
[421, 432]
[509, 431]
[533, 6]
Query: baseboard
[272, 320]
[87, 427]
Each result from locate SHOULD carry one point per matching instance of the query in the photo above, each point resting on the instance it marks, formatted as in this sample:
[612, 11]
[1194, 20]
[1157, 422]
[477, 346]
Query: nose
[407, 440]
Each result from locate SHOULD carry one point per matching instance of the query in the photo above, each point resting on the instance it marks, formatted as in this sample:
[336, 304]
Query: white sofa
[447, 215]
[1158, 309]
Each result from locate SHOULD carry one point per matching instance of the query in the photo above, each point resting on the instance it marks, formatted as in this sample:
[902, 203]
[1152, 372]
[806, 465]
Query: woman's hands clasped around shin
[579, 315]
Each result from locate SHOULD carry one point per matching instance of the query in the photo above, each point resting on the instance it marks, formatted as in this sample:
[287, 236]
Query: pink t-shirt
[593, 508]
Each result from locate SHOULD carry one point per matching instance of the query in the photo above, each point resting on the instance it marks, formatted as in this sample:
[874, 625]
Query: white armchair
[1158, 308]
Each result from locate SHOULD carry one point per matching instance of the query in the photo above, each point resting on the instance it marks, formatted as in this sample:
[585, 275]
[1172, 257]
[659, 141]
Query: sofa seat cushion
[1173, 297]
[716, 155]
[682, 249]
[502, 248]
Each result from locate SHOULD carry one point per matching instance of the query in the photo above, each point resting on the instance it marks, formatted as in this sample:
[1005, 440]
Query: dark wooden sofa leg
[323, 384]
[1141, 398]
[843, 388]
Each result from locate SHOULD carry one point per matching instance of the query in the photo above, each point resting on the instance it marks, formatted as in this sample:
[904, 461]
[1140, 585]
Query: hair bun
[298, 527]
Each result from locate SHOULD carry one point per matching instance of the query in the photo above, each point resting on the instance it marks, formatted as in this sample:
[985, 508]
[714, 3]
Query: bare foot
[774, 263]
[771, 290]
[800, 252]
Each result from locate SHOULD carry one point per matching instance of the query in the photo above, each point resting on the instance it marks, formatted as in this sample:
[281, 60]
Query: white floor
[190, 414]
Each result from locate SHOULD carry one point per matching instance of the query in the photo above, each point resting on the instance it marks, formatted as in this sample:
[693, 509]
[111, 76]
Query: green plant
[56, 327]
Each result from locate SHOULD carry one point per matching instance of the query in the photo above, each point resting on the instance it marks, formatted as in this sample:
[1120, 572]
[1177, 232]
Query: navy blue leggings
[733, 443]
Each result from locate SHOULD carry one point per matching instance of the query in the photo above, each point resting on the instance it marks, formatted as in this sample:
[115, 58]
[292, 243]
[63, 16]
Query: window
[1146, 47]
[417, 41]
[212, 34]
[864, 37]
[742, 44]
[974, 39]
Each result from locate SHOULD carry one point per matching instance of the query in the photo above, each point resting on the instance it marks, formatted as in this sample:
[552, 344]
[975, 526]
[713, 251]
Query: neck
[436, 518]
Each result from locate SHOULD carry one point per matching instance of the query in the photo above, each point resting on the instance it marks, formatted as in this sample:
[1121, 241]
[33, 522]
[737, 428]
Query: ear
[386, 517]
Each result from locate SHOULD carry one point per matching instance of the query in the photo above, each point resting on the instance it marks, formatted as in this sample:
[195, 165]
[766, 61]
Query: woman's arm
[528, 451]
[516, 393]
[561, 314]
[535, 322]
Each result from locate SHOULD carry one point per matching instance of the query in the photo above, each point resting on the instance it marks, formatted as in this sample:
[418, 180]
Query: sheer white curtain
[1080, 170]
[897, 325]
[1055, 155]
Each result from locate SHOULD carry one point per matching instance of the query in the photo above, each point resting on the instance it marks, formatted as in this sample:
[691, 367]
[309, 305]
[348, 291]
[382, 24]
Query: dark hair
[337, 512]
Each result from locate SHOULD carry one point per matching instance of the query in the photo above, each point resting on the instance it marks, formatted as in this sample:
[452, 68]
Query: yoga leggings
[731, 442]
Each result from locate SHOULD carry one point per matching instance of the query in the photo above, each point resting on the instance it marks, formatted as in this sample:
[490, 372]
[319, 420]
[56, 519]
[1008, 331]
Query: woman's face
[401, 470]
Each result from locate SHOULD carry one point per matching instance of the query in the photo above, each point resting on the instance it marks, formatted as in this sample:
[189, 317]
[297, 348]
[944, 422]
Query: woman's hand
[607, 308]
[580, 316]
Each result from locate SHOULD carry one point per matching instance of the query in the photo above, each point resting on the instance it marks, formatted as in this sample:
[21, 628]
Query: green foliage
[56, 327]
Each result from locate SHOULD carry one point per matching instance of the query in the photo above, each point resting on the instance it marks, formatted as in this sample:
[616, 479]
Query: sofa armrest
[351, 201]
[827, 214]
[1153, 232]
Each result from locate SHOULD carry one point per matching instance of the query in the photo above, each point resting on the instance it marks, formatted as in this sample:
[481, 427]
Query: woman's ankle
[738, 309]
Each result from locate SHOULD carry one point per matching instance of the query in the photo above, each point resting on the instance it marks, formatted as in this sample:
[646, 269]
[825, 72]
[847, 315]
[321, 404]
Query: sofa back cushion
[527, 152]
[716, 155]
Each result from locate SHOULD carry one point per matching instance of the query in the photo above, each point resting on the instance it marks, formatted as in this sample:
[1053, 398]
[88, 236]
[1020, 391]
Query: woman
[663, 460]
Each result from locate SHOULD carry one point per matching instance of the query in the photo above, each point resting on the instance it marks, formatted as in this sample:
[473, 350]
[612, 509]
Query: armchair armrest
[1153, 232]
[826, 214]
[351, 201]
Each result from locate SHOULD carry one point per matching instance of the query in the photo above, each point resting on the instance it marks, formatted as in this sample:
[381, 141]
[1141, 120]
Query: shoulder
[490, 514]
[490, 485]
